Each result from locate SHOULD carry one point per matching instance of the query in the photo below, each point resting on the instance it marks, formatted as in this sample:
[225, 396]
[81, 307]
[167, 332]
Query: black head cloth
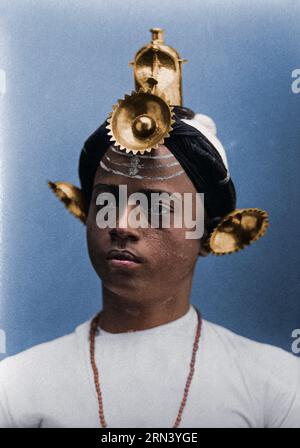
[196, 154]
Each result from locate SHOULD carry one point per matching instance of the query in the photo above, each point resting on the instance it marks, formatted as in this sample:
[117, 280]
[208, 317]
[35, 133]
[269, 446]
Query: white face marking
[137, 168]
[135, 160]
[135, 176]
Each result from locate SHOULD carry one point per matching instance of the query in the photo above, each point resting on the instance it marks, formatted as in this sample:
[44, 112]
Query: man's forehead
[158, 165]
[158, 170]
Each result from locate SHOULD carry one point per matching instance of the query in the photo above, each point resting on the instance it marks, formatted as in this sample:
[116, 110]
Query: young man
[148, 359]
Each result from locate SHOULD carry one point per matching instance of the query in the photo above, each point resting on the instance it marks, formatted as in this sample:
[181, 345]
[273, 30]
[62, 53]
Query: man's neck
[120, 315]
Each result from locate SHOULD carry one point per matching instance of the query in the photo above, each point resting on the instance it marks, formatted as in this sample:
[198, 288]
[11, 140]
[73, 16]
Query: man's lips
[123, 257]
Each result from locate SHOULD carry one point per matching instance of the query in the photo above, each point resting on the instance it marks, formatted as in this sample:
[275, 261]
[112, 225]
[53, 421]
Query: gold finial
[157, 67]
[140, 122]
[157, 35]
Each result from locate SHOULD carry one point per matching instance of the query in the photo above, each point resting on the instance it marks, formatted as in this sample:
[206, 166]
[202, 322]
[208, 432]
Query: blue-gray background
[66, 63]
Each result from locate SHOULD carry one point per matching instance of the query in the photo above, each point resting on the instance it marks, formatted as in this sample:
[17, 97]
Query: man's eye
[160, 209]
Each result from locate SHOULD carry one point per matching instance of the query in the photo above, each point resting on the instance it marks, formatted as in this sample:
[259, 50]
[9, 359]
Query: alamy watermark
[296, 342]
[163, 210]
[295, 86]
[2, 341]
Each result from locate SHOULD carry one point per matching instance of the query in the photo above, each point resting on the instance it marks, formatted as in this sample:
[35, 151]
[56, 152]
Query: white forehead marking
[134, 176]
[161, 165]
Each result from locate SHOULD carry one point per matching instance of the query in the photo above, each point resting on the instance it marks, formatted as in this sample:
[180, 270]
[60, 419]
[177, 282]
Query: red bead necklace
[93, 331]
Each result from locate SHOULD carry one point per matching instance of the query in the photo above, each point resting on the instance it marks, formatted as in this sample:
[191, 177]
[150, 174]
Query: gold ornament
[157, 67]
[71, 197]
[237, 230]
[140, 122]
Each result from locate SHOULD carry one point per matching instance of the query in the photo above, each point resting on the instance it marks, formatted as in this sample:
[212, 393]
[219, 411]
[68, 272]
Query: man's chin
[124, 285]
[126, 293]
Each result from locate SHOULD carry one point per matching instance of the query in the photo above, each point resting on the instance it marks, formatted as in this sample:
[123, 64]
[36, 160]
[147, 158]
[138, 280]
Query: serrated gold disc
[237, 230]
[140, 122]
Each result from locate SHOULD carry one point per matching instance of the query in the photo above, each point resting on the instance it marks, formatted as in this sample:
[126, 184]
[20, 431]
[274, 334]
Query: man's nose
[123, 230]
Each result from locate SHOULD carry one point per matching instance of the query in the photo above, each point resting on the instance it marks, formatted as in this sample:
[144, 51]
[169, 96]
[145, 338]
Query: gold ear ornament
[237, 230]
[71, 197]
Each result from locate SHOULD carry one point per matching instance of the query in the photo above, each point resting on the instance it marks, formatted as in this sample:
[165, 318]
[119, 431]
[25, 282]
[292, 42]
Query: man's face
[166, 257]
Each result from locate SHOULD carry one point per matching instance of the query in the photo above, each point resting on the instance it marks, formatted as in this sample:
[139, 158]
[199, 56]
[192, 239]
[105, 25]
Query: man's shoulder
[255, 356]
[44, 354]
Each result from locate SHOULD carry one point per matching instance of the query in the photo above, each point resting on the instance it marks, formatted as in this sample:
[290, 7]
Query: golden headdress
[142, 120]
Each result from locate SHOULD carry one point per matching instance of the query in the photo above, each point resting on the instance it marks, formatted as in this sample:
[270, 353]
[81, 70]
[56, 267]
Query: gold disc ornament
[140, 122]
[237, 230]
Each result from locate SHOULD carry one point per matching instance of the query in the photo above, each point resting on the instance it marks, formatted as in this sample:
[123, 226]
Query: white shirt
[237, 382]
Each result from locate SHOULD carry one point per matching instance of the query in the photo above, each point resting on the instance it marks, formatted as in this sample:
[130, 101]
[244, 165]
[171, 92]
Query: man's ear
[203, 250]
[203, 247]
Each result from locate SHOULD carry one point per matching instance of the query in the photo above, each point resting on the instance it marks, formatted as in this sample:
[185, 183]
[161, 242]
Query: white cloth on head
[207, 126]
[237, 382]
